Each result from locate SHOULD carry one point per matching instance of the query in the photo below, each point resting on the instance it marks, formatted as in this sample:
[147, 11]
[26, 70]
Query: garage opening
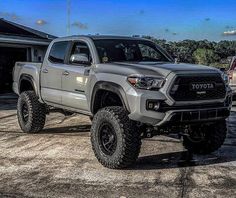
[8, 57]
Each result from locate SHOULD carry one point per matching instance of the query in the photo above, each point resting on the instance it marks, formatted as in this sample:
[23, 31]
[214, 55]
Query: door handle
[65, 73]
[45, 70]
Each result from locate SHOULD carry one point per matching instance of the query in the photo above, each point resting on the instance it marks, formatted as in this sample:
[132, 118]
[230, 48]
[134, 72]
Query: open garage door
[8, 57]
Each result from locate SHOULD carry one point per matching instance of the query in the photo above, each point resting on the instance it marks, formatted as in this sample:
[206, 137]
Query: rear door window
[58, 52]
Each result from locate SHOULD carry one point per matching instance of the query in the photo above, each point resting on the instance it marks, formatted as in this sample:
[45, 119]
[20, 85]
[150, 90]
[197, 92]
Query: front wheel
[206, 139]
[30, 112]
[115, 138]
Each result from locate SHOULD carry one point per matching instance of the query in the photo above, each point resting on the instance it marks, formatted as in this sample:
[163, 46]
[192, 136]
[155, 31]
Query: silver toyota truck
[131, 89]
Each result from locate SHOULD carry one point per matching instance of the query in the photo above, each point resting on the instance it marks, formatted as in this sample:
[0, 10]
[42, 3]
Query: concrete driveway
[59, 162]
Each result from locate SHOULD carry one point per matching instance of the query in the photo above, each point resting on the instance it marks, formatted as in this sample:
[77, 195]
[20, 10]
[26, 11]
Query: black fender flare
[30, 79]
[112, 87]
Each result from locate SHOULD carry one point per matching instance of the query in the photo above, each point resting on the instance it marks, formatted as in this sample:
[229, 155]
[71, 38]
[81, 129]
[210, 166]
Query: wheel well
[104, 98]
[26, 85]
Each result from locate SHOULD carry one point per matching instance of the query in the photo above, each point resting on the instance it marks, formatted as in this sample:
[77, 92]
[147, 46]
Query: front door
[75, 78]
[51, 74]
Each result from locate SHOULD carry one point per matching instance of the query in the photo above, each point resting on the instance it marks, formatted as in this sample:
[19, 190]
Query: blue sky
[165, 19]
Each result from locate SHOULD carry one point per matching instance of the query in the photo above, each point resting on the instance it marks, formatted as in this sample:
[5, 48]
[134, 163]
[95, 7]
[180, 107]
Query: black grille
[200, 115]
[181, 91]
[165, 107]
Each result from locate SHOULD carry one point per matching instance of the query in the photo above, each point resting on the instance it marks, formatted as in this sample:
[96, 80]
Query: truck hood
[150, 68]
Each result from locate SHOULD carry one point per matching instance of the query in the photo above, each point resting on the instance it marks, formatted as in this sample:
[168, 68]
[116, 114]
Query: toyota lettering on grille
[202, 86]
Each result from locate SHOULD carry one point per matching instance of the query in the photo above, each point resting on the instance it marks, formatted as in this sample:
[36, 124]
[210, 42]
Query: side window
[58, 52]
[149, 53]
[81, 48]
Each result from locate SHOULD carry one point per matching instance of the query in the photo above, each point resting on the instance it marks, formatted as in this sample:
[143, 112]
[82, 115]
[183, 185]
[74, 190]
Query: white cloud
[80, 25]
[229, 33]
[8, 15]
[41, 22]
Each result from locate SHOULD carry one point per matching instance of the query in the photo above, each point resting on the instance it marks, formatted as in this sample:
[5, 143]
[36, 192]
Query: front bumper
[204, 110]
[188, 113]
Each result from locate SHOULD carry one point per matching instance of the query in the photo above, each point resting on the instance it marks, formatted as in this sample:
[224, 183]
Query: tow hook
[185, 133]
[149, 133]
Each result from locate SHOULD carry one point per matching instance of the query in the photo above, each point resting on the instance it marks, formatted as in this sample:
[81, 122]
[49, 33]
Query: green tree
[205, 56]
[202, 52]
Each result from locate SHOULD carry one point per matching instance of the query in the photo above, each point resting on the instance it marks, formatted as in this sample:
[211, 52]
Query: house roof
[13, 31]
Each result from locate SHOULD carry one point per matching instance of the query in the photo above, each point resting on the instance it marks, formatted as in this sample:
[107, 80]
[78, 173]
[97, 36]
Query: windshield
[119, 50]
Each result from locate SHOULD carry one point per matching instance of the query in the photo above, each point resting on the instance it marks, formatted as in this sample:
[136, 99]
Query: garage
[19, 43]
[8, 57]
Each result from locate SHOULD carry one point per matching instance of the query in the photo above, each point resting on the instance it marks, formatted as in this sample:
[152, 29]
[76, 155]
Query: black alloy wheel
[25, 112]
[107, 138]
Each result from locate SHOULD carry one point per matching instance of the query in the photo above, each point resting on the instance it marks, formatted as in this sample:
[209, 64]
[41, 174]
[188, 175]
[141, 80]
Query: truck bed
[28, 68]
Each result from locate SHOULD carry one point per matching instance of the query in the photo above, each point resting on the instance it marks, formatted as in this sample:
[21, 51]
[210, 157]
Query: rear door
[75, 78]
[51, 73]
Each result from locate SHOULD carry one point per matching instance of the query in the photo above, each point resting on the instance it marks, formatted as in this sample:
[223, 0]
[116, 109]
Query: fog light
[153, 105]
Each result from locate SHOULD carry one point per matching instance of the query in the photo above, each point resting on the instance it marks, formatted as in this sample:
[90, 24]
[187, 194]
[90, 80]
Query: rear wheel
[115, 138]
[206, 139]
[30, 112]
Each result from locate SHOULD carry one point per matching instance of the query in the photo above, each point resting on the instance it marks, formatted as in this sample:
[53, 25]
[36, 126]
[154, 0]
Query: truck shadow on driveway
[226, 154]
[160, 161]
[182, 159]
[171, 160]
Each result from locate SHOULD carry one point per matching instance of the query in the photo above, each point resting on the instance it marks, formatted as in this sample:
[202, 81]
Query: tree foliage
[200, 52]
[205, 56]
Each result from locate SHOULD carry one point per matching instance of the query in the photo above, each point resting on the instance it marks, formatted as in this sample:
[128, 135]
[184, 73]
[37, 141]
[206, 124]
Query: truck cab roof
[98, 37]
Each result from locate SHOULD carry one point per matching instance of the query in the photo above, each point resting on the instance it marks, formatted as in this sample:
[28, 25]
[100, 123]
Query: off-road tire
[215, 135]
[36, 112]
[128, 138]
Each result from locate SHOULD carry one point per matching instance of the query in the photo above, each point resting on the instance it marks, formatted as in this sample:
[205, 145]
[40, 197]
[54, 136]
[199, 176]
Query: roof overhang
[15, 29]
[24, 41]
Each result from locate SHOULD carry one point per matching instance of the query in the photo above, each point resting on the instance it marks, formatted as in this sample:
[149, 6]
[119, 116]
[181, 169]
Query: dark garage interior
[19, 43]
[8, 57]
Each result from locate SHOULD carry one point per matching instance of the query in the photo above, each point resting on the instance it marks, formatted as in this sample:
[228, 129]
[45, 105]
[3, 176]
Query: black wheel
[30, 112]
[206, 139]
[115, 138]
[107, 138]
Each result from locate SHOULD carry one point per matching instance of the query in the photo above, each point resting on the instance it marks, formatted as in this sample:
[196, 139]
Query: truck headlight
[146, 82]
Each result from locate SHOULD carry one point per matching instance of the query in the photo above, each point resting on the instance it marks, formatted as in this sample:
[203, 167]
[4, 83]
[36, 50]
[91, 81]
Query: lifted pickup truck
[131, 89]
